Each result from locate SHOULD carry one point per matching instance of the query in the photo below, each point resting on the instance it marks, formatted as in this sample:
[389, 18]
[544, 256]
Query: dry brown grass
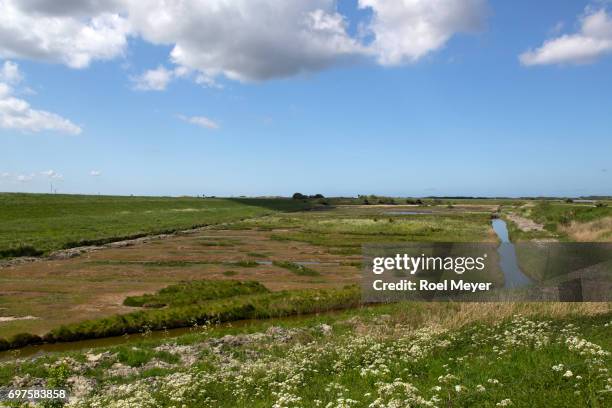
[593, 231]
[494, 312]
[452, 316]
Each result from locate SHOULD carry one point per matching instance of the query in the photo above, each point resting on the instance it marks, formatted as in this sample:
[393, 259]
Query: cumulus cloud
[16, 113]
[247, 40]
[593, 40]
[9, 73]
[62, 31]
[244, 40]
[201, 121]
[153, 79]
[52, 174]
[69, 7]
[95, 173]
[404, 31]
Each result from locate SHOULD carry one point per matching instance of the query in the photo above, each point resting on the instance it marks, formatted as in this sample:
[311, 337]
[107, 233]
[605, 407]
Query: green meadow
[35, 224]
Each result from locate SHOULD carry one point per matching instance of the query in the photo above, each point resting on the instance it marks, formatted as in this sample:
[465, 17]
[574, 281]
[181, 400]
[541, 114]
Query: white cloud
[95, 173]
[62, 31]
[406, 30]
[158, 79]
[244, 40]
[68, 7]
[200, 121]
[593, 40]
[52, 174]
[24, 178]
[9, 73]
[5, 175]
[17, 114]
[153, 79]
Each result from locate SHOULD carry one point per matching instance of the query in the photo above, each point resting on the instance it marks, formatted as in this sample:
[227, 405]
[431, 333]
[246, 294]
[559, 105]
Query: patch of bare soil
[4, 319]
[524, 224]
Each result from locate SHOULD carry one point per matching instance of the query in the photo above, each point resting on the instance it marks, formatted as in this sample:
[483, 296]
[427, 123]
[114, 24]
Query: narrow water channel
[42, 349]
[513, 275]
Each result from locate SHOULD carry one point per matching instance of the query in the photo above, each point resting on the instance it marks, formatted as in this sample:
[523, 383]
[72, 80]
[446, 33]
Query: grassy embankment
[195, 303]
[407, 354]
[565, 221]
[36, 224]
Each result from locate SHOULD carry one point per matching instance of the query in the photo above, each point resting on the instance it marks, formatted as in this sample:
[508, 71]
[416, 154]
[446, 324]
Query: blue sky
[509, 101]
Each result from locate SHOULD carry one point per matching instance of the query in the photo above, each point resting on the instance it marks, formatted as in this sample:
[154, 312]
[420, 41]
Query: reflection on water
[508, 262]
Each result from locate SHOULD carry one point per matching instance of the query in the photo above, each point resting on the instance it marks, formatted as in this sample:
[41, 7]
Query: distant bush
[300, 196]
[601, 204]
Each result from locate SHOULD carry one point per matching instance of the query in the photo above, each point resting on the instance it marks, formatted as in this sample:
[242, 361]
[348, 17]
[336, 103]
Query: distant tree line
[300, 196]
[374, 199]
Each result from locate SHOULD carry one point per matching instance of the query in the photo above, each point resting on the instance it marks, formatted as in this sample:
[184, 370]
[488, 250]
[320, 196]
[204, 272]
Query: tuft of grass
[216, 243]
[298, 269]
[192, 292]
[246, 264]
[257, 255]
[134, 356]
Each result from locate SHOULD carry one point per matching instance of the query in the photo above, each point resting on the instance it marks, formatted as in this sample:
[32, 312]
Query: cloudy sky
[231, 97]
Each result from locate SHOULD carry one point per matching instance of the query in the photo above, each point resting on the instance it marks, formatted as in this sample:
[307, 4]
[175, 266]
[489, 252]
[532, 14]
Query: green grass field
[34, 224]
